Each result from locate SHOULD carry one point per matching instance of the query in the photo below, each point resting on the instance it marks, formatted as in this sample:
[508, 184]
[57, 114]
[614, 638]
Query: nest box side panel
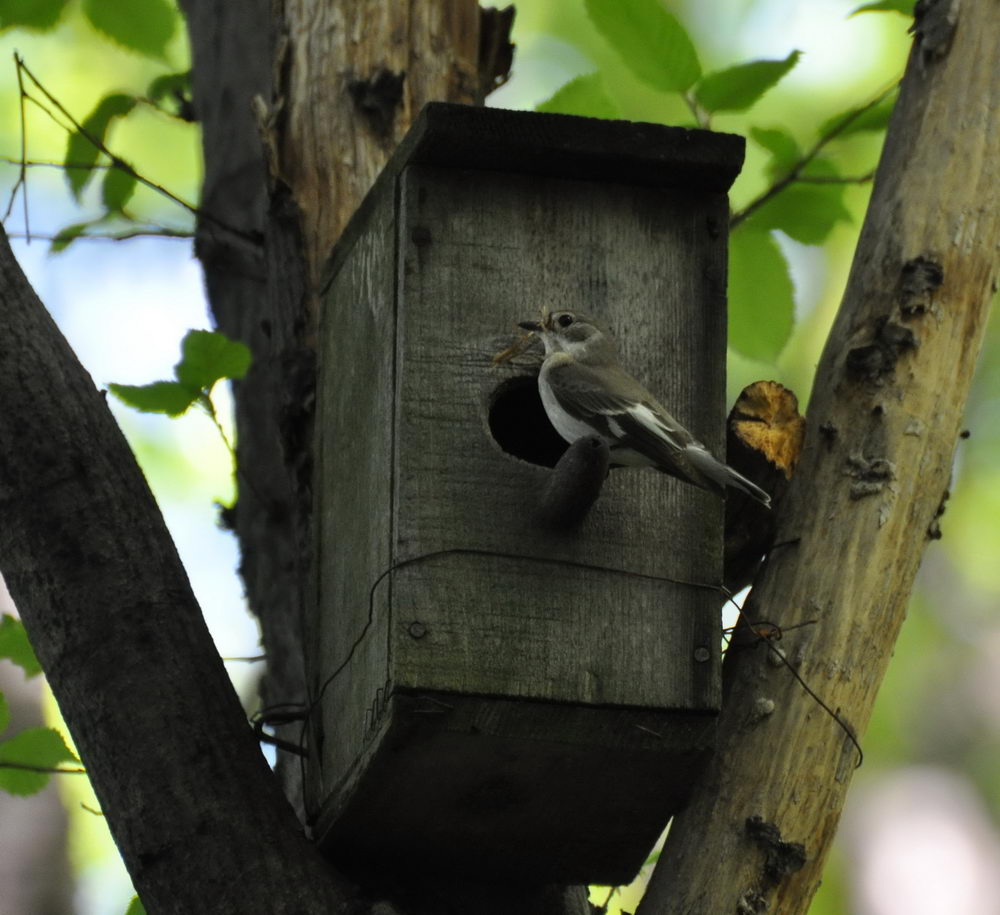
[583, 616]
[354, 435]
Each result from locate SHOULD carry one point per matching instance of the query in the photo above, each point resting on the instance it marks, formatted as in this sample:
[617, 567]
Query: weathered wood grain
[489, 249]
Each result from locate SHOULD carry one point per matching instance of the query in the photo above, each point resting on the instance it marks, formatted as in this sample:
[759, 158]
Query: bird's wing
[617, 406]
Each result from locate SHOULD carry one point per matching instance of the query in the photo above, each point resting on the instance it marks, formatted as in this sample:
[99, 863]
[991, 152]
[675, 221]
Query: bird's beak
[530, 325]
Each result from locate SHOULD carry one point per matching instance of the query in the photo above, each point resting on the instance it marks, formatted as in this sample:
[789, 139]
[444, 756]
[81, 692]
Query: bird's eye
[564, 320]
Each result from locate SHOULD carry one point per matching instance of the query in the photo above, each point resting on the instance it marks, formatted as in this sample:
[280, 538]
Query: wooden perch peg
[575, 483]
[764, 435]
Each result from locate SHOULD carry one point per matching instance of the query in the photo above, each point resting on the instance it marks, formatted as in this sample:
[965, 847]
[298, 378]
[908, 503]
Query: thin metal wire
[765, 632]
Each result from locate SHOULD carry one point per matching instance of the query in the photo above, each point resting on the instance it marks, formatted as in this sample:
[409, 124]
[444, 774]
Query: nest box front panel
[621, 610]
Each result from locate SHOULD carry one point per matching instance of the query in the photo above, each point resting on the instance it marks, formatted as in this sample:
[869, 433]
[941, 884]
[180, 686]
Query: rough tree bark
[197, 815]
[883, 423]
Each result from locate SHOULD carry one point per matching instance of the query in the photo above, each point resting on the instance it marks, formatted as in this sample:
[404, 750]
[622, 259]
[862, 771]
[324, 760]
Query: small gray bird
[585, 392]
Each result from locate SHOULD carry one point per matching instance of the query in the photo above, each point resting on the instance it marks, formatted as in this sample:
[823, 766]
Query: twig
[45, 770]
[794, 172]
[239, 472]
[701, 117]
[836, 179]
[52, 115]
[115, 236]
[98, 144]
[37, 163]
[22, 176]
[123, 165]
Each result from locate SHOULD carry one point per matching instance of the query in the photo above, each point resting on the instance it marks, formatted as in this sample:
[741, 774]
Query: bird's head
[581, 337]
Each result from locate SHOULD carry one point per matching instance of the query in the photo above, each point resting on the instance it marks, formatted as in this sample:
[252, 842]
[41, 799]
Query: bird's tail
[739, 481]
[721, 475]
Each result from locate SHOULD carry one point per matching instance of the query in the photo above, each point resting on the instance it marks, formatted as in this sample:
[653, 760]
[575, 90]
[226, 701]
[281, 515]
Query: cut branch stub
[764, 435]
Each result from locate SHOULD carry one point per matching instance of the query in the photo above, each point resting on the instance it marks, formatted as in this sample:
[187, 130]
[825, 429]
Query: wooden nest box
[513, 700]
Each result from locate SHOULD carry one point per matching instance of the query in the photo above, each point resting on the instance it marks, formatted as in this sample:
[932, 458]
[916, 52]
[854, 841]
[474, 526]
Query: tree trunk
[883, 422]
[354, 76]
[194, 809]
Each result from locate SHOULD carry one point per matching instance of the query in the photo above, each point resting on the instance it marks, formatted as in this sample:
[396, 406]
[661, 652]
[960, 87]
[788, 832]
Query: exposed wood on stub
[764, 436]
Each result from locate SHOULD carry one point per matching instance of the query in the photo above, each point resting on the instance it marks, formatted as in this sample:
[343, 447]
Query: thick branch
[883, 424]
[357, 74]
[193, 807]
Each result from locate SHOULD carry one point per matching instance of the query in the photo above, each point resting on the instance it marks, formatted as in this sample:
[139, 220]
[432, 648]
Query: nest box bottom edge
[493, 789]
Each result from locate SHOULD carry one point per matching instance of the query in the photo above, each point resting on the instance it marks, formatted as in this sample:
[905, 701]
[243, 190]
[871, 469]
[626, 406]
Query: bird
[585, 391]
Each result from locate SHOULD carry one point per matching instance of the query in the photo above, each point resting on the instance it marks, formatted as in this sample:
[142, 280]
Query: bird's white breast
[566, 425]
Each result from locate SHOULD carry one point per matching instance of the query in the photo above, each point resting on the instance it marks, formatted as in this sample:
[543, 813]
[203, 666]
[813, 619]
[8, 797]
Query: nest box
[499, 698]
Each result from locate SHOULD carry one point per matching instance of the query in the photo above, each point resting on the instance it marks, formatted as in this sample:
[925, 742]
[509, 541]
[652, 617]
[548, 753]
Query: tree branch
[46, 770]
[112, 618]
[126, 235]
[837, 179]
[883, 423]
[795, 172]
[118, 163]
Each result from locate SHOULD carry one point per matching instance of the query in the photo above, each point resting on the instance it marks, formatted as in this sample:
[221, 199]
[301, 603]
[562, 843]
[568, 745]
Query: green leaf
[37, 15]
[650, 40]
[170, 397]
[761, 303]
[4, 713]
[43, 747]
[805, 212]
[887, 6]
[820, 167]
[585, 96]
[860, 118]
[135, 907]
[739, 87]
[207, 356]
[67, 235]
[169, 84]
[144, 26]
[117, 189]
[80, 149]
[781, 145]
[14, 646]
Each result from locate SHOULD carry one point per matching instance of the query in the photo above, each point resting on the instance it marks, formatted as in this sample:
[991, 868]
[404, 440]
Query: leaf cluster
[30, 757]
[805, 195]
[206, 357]
[87, 154]
[148, 29]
